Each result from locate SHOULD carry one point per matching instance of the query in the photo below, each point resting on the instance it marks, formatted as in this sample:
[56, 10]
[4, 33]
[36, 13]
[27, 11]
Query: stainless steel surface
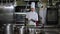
[8, 29]
[46, 30]
[6, 14]
[21, 30]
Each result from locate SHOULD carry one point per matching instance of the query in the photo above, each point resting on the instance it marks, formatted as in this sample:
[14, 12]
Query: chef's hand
[33, 20]
[42, 26]
[26, 19]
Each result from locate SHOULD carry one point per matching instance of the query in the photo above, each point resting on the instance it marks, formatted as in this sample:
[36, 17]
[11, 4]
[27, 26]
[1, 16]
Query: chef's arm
[34, 20]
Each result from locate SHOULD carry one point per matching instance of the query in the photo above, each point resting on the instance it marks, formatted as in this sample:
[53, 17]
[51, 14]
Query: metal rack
[20, 17]
[7, 2]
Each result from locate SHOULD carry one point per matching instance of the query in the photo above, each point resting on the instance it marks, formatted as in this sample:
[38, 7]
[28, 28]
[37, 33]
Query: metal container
[6, 14]
[21, 30]
[8, 29]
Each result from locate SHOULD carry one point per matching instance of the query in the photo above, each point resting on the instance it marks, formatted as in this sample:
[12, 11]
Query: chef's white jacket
[32, 15]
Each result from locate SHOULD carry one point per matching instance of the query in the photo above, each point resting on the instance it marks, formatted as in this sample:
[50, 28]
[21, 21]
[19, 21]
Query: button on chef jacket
[32, 15]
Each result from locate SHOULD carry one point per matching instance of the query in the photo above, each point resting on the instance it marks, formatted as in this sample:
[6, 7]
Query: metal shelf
[20, 21]
[20, 13]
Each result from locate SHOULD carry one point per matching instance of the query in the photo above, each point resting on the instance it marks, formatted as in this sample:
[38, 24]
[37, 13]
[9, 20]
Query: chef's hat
[32, 4]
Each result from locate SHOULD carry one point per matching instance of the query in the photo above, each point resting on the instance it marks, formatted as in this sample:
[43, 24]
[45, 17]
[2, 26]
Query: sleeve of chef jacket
[26, 15]
[26, 19]
[36, 17]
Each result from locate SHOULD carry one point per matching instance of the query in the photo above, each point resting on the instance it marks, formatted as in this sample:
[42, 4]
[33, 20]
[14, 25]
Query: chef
[32, 18]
